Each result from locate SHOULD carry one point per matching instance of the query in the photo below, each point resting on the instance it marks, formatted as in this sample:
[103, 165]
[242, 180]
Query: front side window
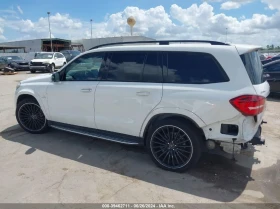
[85, 68]
[193, 68]
[126, 66]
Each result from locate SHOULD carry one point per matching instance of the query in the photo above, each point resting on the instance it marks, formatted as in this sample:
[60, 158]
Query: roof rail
[163, 42]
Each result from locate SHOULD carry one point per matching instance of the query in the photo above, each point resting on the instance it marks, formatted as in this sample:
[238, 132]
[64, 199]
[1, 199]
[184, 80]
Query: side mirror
[55, 77]
[55, 58]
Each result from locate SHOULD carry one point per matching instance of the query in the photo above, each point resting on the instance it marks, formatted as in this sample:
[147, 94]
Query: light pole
[50, 29]
[91, 28]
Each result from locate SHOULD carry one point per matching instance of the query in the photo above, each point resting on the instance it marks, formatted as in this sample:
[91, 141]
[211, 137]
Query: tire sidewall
[193, 135]
[21, 103]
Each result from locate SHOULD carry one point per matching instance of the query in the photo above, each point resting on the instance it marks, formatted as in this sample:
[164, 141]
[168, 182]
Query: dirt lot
[64, 167]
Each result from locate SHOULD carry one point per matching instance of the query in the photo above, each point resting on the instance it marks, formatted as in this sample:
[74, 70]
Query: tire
[32, 71]
[171, 152]
[51, 68]
[64, 63]
[31, 117]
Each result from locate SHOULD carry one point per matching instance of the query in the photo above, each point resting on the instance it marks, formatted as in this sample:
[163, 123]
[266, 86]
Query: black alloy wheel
[31, 117]
[174, 145]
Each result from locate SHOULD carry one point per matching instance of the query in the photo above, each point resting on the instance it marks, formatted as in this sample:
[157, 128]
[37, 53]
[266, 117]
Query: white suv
[172, 98]
[47, 61]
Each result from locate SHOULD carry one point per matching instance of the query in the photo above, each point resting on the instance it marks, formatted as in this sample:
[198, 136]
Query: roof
[170, 44]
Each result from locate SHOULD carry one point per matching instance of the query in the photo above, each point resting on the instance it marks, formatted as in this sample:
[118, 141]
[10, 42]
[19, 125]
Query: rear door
[253, 65]
[271, 74]
[130, 91]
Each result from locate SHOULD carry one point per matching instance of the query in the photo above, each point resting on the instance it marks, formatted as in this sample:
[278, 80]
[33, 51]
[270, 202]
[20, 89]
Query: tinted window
[194, 68]
[152, 70]
[253, 66]
[126, 66]
[85, 68]
[272, 68]
[60, 55]
[75, 53]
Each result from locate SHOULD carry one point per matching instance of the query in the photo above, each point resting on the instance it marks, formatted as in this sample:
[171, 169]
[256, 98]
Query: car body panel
[127, 107]
[123, 106]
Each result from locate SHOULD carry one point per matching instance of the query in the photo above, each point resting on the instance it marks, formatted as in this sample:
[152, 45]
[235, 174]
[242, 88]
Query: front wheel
[31, 117]
[174, 145]
[51, 68]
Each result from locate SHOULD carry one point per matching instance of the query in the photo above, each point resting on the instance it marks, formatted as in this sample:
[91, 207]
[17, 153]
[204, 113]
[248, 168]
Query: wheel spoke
[162, 140]
[165, 134]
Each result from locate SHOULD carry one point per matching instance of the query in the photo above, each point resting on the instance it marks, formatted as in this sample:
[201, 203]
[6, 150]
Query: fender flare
[171, 110]
[30, 92]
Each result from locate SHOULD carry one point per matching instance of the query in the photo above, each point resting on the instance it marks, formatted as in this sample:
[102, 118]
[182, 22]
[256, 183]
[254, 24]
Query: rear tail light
[249, 105]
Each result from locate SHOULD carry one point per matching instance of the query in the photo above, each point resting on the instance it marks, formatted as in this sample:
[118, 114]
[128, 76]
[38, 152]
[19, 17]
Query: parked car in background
[271, 73]
[70, 54]
[17, 62]
[271, 59]
[47, 62]
[3, 63]
[175, 99]
[262, 57]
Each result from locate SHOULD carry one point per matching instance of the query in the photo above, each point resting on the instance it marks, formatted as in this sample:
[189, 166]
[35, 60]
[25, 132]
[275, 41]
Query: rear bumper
[248, 128]
[257, 138]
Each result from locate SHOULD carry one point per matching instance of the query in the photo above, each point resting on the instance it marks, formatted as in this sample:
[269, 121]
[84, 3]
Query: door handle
[143, 93]
[86, 90]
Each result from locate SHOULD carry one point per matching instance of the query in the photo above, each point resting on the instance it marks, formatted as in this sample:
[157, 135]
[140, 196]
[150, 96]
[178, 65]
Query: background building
[27, 48]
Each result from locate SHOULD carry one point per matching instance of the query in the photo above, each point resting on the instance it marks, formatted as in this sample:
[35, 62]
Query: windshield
[75, 53]
[43, 56]
[13, 58]
[253, 66]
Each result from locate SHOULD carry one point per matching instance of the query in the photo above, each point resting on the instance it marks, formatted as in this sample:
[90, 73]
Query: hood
[19, 61]
[39, 78]
[40, 60]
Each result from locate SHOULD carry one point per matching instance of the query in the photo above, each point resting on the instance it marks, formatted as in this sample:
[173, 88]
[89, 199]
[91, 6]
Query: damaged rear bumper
[257, 140]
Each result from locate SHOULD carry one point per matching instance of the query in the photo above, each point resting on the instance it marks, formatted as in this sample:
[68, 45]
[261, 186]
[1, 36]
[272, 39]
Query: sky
[236, 21]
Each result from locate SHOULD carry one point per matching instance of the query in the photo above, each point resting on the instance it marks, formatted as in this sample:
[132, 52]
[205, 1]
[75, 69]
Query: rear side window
[193, 68]
[253, 66]
[126, 66]
[152, 71]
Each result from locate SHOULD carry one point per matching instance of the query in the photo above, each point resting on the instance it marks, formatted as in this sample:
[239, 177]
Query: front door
[71, 100]
[132, 88]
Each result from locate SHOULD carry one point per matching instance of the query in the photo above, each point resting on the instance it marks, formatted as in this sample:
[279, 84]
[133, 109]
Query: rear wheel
[31, 117]
[174, 145]
[33, 71]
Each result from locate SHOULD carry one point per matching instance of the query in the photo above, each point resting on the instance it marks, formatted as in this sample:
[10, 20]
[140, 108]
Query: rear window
[253, 66]
[194, 68]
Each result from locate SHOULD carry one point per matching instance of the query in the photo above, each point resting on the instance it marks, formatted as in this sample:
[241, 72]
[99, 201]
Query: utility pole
[226, 34]
[91, 28]
[50, 30]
